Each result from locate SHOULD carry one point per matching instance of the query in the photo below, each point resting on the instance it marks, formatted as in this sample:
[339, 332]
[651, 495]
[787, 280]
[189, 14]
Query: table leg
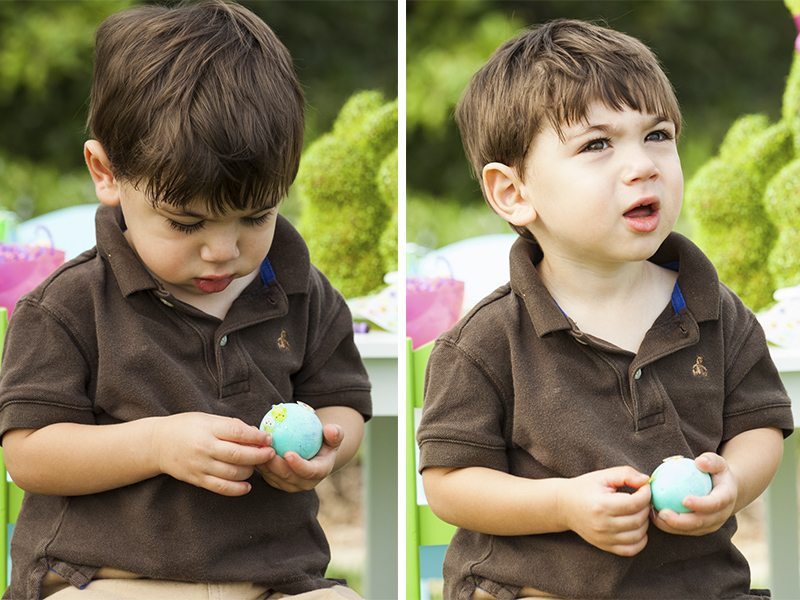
[380, 477]
[782, 527]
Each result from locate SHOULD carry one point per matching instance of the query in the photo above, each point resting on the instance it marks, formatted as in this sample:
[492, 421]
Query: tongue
[638, 212]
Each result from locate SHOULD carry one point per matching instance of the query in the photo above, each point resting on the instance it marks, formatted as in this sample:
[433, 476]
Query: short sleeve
[45, 375]
[755, 395]
[463, 415]
[333, 373]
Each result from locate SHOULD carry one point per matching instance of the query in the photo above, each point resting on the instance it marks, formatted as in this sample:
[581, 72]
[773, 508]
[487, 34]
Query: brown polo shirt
[100, 342]
[516, 386]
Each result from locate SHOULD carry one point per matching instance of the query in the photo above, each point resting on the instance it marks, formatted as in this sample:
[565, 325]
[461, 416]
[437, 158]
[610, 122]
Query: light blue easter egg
[294, 427]
[674, 479]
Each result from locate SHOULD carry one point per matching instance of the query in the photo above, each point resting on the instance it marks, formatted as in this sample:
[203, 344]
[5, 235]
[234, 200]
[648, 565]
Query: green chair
[426, 535]
[10, 494]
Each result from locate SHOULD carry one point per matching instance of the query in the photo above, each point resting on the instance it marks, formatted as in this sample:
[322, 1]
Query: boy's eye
[596, 145]
[186, 227]
[662, 135]
[259, 220]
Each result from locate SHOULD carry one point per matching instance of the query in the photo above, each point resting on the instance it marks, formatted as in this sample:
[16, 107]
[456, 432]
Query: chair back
[10, 494]
[427, 536]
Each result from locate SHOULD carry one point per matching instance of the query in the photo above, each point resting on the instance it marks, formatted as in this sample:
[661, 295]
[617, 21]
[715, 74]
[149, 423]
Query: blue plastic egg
[674, 479]
[294, 427]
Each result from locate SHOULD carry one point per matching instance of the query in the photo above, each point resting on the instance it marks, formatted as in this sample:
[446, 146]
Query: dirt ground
[341, 515]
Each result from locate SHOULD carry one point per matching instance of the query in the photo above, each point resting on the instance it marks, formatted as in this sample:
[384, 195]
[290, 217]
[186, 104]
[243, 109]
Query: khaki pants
[525, 594]
[152, 589]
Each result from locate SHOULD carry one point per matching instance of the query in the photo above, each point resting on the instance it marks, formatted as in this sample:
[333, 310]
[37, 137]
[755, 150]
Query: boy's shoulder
[486, 319]
[73, 288]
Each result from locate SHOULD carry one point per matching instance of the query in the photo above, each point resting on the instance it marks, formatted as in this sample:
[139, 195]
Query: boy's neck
[616, 303]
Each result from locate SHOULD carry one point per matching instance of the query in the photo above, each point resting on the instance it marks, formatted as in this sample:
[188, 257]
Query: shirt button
[223, 340]
[638, 374]
[167, 302]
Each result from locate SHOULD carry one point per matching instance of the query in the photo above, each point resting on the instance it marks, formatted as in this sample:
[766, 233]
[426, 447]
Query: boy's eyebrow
[609, 128]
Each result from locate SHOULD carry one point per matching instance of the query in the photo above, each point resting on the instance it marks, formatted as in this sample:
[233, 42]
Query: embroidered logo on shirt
[283, 341]
[698, 370]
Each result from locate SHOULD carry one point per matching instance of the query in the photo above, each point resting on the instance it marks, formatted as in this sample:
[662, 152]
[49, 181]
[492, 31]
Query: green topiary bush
[347, 204]
[387, 187]
[745, 202]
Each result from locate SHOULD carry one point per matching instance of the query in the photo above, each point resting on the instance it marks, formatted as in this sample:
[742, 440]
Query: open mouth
[644, 216]
[639, 211]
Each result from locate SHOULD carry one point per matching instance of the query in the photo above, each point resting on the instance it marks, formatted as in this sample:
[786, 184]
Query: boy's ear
[105, 184]
[506, 195]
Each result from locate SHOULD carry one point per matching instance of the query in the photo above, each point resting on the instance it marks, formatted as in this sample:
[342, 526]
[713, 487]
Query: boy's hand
[292, 473]
[614, 521]
[209, 451]
[711, 511]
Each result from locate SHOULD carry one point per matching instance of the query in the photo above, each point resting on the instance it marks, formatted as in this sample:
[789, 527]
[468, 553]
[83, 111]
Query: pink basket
[433, 306]
[22, 268]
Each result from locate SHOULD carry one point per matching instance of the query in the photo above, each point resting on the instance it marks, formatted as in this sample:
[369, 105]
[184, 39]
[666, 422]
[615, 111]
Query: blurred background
[724, 59]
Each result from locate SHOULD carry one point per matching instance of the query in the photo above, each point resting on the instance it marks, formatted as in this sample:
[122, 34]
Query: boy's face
[196, 255]
[610, 192]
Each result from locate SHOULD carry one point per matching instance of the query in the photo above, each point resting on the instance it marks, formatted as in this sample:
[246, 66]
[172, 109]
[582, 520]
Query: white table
[379, 351]
[781, 496]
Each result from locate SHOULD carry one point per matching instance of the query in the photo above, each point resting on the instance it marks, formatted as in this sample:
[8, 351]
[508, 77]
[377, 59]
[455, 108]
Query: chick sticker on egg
[676, 478]
[294, 427]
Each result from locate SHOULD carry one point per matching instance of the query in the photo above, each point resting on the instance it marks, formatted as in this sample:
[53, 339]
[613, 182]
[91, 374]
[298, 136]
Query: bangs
[645, 90]
[238, 180]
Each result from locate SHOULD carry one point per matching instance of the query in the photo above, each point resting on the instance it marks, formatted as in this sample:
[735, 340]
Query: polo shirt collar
[130, 273]
[287, 261]
[697, 280]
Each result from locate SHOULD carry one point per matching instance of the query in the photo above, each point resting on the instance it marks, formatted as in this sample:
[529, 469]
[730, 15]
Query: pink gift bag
[22, 268]
[433, 305]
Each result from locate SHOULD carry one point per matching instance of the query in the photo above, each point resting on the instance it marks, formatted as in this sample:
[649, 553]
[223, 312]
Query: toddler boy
[613, 347]
[134, 378]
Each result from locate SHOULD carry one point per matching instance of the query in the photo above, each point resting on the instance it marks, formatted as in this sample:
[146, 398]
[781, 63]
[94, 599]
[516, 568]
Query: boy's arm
[740, 473]
[343, 430]
[495, 502]
[68, 459]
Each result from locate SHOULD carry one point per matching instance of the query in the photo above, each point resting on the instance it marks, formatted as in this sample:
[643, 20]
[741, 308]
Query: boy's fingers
[711, 463]
[235, 430]
[333, 435]
[225, 487]
[628, 504]
[238, 454]
[621, 477]
[299, 466]
[279, 467]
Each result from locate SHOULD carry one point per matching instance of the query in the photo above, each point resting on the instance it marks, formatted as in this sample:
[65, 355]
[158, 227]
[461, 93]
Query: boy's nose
[220, 248]
[639, 166]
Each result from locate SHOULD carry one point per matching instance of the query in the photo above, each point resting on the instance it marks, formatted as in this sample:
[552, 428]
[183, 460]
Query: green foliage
[440, 74]
[725, 202]
[793, 6]
[344, 215]
[782, 202]
[791, 101]
[29, 190]
[387, 189]
[438, 221]
[745, 203]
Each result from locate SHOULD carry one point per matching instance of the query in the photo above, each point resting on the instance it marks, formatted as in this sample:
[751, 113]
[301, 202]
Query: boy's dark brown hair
[198, 101]
[551, 74]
